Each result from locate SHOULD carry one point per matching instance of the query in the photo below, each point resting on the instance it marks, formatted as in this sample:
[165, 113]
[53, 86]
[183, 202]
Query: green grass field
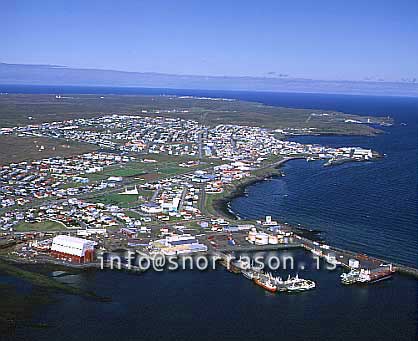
[126, 171]
[133, 215]
[72, 185]
[123, 200]
[165, 166]
[39, 226]
[15, 109]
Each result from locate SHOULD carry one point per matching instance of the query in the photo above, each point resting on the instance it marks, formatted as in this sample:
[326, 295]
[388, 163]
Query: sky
[331, 40]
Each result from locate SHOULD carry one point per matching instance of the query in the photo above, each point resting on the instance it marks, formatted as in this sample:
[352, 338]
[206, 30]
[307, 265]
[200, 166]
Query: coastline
[27, 272]
[222, 208]
[221, 205]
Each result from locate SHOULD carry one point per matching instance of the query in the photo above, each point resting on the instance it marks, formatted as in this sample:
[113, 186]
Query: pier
[332, 255]
[218, 244]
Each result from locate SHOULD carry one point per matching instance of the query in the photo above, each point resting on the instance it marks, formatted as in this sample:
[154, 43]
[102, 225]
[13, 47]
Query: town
[151, 186]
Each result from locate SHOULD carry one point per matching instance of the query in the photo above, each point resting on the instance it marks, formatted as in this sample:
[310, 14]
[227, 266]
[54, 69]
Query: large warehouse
[76, 249]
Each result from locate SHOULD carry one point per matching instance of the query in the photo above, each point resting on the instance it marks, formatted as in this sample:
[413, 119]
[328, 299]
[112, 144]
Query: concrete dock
[219, 245]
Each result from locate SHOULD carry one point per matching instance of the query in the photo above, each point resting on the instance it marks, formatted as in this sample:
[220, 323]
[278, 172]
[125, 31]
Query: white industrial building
[75, 249]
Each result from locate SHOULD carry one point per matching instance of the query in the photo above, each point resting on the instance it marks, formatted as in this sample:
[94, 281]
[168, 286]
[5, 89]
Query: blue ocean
[366, 207]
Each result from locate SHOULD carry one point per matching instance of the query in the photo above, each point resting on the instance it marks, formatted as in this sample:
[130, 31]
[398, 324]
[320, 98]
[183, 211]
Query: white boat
[281, 286]
[291, 280]
[258, 267]
[248, 274]
[302, 285]
[350, 277]
[293, 284]
[242, 264]
[375, 275]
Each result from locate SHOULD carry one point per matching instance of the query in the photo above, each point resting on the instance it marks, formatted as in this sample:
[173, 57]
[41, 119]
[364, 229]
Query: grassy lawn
[39, 226]
[96, 177]
[126, 171]
[210, 199]
[170, 169]
[166, 166]
[133, 215]
[136, 169]
[192, 225]
[133, 168]
[72, 185]
[267, 171]
[122, 200]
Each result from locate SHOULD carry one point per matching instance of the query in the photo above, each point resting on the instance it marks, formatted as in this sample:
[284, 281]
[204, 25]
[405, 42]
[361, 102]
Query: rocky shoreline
[222, 205]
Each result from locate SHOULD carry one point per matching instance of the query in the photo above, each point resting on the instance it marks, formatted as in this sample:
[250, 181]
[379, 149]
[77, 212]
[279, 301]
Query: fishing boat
[241, 264]
[281, 286]
[248, 274]
[302, 285]
[293, 284]
[375, 275]
[266, 283]
[351, 277]
[367, 276]
[257, 268]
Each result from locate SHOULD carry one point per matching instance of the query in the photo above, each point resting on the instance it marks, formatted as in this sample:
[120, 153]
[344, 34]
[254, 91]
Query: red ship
[265, 283]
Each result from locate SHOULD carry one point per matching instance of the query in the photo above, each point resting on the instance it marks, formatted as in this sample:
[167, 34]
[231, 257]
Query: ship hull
[248, 275]
[266, 287]
[381, 278]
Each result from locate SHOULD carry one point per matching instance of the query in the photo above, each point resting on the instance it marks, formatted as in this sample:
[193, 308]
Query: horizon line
[284, 78]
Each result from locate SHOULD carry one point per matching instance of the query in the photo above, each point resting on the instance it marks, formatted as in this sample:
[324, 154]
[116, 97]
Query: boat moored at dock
[249, 274]
[275, 284]
[375, 275]
[265, 283]
[303, 285]
[367, 276]
[241, 264]
[351, 277]
[293, 284]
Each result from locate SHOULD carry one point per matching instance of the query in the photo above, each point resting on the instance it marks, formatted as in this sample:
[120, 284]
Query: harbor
[228, 248]
[217, 295]
[360, 268]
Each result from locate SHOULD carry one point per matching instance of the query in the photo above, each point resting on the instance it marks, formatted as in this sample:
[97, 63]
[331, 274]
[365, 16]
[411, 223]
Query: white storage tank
[353, 263]
[251, 235]
[261, 239]
[273, 240]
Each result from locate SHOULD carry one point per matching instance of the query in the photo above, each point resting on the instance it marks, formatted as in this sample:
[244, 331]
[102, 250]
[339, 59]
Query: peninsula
[89, 175]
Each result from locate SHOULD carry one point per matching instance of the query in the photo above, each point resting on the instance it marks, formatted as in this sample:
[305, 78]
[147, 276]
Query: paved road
[202, 200]
[155, 194]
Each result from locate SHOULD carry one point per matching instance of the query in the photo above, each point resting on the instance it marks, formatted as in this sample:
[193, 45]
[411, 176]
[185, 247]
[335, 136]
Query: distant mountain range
[59, 75]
